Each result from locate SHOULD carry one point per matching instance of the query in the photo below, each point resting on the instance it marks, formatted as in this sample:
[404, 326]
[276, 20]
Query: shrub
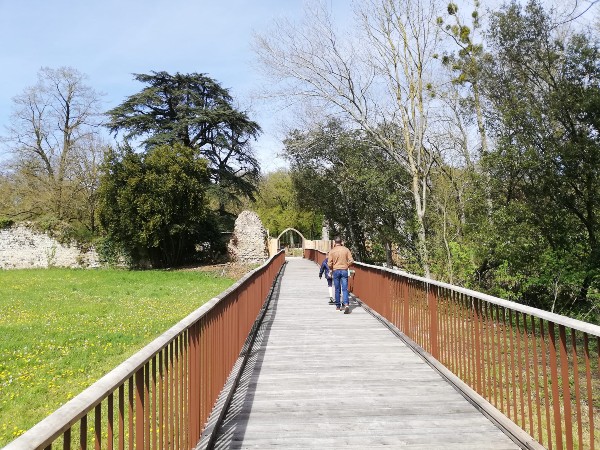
[6, 223]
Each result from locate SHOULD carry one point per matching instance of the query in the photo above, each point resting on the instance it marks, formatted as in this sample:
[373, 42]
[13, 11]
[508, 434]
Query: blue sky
[108, 40]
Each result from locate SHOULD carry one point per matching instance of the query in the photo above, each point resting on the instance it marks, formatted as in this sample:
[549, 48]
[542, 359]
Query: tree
[5, 195]
[466, 65]
[50, 131]
[195, 111]
[467, 62]
[546, 90]
[153, 206]
[361, 193]
[383, 88]
[278, 207]
[87, 173]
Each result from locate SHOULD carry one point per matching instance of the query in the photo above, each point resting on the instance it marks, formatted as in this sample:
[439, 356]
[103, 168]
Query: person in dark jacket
[325, 270]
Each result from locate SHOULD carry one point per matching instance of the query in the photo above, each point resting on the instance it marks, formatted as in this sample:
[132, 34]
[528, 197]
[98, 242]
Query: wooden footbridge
[319, 378]
[416, 364]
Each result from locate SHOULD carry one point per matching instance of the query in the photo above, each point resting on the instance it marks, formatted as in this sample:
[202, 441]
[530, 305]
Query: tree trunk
[388, 253]
[484, 151]
[420, 203]
[447, 246]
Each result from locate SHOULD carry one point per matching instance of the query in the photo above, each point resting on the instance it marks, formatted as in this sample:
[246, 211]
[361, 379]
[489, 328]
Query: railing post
[406, 305]
[477, 335]
[193, 376]
[566, 395]
[555, 395]
[139, 409]
[433, 319]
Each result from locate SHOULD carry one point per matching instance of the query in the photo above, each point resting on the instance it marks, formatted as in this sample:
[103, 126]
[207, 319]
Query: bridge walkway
[318, 378]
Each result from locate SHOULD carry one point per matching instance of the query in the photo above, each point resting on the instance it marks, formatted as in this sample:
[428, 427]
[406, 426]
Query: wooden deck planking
[318, 378]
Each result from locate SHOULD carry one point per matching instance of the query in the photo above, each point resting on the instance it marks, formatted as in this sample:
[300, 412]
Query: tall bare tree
[381, 81]
[51, 125]
[86, 172]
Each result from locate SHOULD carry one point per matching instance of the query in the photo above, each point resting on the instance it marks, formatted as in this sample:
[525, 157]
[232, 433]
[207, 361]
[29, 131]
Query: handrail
[578, 325]
[172, 383]
[540, 369]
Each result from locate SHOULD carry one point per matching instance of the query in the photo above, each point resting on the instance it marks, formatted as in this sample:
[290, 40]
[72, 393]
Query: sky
[109, 40]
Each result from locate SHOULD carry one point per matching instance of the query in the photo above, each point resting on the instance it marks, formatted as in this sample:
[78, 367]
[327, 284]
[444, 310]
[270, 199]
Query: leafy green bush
[6, 223]
[112, 254]
[154, 206]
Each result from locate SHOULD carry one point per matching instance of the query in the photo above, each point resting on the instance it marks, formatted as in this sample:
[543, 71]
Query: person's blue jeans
[340, 281]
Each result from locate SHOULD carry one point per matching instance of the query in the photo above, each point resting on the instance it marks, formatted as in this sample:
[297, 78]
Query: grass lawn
[62, 329]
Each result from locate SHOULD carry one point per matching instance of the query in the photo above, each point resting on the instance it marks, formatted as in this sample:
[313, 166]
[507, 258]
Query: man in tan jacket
[339, 260]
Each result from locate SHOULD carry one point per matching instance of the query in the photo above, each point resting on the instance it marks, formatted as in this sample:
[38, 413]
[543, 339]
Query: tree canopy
[358, 188]
[154, 206]
[278, 207]
[56, 151]
[194, 110]
[470, 157]
[455, 145]
[546, 91]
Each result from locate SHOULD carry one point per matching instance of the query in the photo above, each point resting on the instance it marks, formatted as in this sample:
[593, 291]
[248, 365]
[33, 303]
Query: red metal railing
[162, 396]
[540, 369]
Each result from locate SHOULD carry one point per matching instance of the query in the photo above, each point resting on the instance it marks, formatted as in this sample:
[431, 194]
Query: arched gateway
[290, 229]
[323, 245]
[274, 242]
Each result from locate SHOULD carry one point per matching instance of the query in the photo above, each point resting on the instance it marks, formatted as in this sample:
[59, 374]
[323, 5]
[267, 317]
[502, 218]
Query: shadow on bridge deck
[317, 378]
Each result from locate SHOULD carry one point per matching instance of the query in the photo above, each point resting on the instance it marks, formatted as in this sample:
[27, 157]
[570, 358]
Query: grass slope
[62, 329]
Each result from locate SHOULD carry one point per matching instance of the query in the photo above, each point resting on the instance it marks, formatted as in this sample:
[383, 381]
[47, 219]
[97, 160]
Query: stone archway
[291, 229]
[274, 242]
[295, 231]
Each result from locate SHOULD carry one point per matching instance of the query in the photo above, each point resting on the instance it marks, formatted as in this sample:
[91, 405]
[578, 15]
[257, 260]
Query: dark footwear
[347, 310]
[331, 301]
[337, 308]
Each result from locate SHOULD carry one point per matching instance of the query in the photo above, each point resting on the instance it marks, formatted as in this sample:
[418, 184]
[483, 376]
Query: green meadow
[62, 329]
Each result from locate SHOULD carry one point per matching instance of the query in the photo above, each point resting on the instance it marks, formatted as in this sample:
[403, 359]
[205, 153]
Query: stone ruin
[23, 248]
[248, 242]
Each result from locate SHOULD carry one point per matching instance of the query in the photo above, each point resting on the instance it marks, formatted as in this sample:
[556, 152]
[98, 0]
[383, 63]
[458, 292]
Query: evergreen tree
[154, 208]
[195, 111]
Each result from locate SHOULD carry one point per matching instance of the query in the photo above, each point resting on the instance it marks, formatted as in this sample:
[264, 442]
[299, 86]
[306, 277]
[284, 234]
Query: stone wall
[23, 248]
[248, 243]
